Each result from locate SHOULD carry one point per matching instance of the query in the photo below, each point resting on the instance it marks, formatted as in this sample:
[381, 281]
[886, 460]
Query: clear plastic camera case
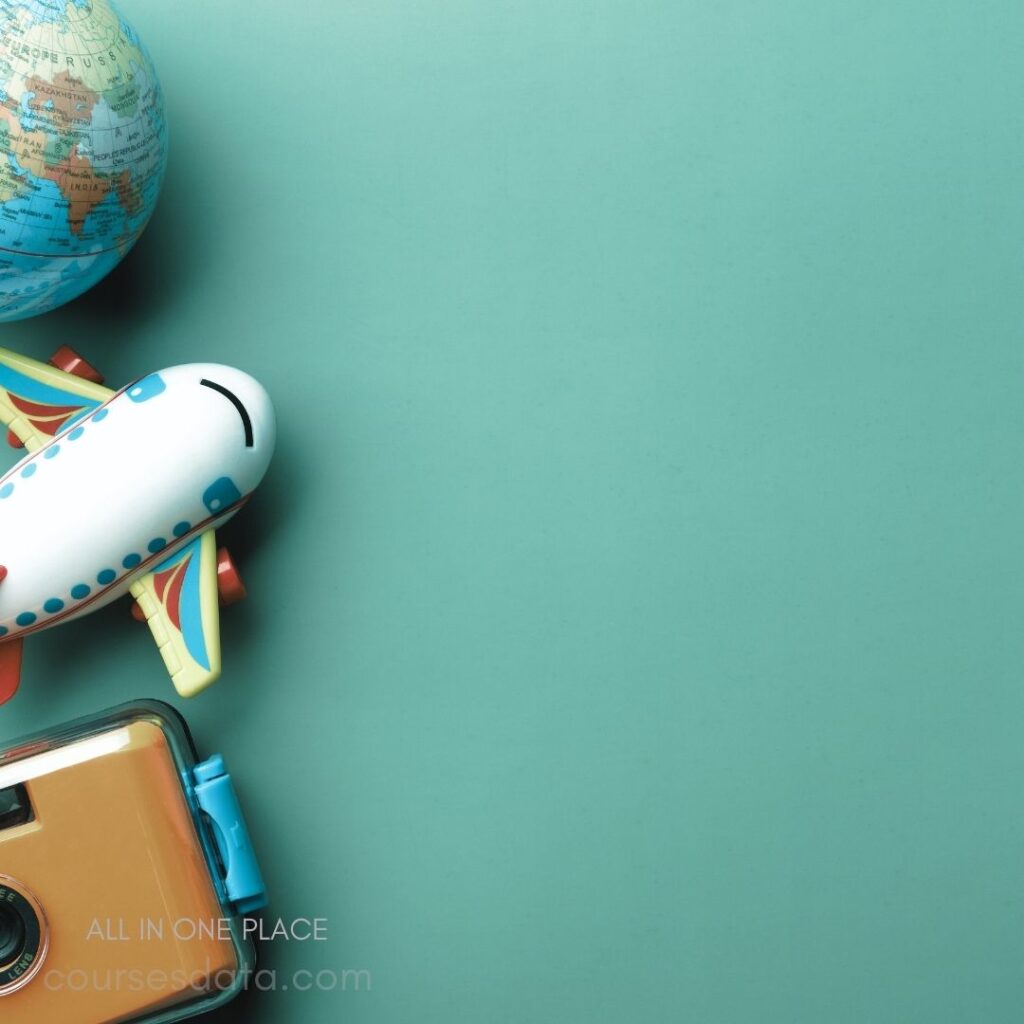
[125, 872]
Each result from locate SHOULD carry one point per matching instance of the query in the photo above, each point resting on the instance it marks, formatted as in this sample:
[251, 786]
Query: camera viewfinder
[15, 808]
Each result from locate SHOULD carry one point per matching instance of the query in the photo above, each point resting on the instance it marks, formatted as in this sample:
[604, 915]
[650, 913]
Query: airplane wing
[180, 602]
[38, 401]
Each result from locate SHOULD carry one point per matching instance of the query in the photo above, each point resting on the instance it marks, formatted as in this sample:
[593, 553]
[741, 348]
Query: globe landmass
[83, 148]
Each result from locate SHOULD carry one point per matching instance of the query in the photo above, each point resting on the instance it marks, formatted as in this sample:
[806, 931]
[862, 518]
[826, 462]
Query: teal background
[634, 629]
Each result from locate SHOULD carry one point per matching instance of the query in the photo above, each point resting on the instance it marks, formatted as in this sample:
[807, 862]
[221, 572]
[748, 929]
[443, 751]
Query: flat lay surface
[634, 628]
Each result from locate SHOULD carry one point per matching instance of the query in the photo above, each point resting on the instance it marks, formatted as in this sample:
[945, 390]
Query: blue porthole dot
[182, 528]
[76, 433]
[3, 631]
[106, 576]
[157, 544]
[99, 416]
[26, 618]
[29, 470]
[80, 590]
[147, 388]
[53, 605]
[132, 560]
[52, 451]
[6, 490]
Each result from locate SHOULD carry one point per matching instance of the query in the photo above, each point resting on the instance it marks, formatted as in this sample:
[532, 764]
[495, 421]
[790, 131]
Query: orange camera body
[125, 868]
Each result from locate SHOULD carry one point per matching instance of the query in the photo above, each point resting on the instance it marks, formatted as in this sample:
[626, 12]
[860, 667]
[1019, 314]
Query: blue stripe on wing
[33, 390]
[190, 610]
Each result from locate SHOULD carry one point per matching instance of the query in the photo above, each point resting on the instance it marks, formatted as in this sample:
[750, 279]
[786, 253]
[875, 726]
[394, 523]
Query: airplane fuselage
[123, 487]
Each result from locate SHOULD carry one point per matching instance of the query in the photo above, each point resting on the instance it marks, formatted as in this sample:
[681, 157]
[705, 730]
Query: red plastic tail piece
[68, 360]
[13, 440]
[10, 669]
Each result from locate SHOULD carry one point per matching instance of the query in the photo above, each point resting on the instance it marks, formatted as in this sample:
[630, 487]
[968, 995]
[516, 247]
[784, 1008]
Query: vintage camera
[125, 871]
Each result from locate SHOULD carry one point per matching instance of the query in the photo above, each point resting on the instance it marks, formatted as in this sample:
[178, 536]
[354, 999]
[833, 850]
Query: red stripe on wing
[38, 409]
[167, 585]
[47, 419]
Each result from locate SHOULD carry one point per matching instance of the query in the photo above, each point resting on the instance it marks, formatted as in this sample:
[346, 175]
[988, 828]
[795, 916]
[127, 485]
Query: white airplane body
[121, 492]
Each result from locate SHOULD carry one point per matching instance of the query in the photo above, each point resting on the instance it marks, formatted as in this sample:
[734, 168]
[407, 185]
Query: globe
[83, 148]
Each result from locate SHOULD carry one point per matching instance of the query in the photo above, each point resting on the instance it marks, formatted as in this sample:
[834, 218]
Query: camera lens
[24, 938]
[12, 935]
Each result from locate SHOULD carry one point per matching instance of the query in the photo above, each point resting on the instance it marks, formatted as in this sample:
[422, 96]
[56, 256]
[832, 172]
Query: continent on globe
[83, 148]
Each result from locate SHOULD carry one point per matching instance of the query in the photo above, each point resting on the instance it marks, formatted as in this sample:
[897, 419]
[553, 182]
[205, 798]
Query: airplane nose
[261, 412]
[251, 402]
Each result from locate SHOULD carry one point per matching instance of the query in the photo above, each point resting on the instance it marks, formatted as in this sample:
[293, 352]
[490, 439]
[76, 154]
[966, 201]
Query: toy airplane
[121, 492]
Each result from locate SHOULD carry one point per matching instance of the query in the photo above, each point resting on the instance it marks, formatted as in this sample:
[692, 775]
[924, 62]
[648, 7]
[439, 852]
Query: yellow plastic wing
[38, 401]
[180, 602]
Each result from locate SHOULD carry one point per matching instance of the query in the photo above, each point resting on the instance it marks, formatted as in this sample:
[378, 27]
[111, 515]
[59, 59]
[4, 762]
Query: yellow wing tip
[188, 684]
